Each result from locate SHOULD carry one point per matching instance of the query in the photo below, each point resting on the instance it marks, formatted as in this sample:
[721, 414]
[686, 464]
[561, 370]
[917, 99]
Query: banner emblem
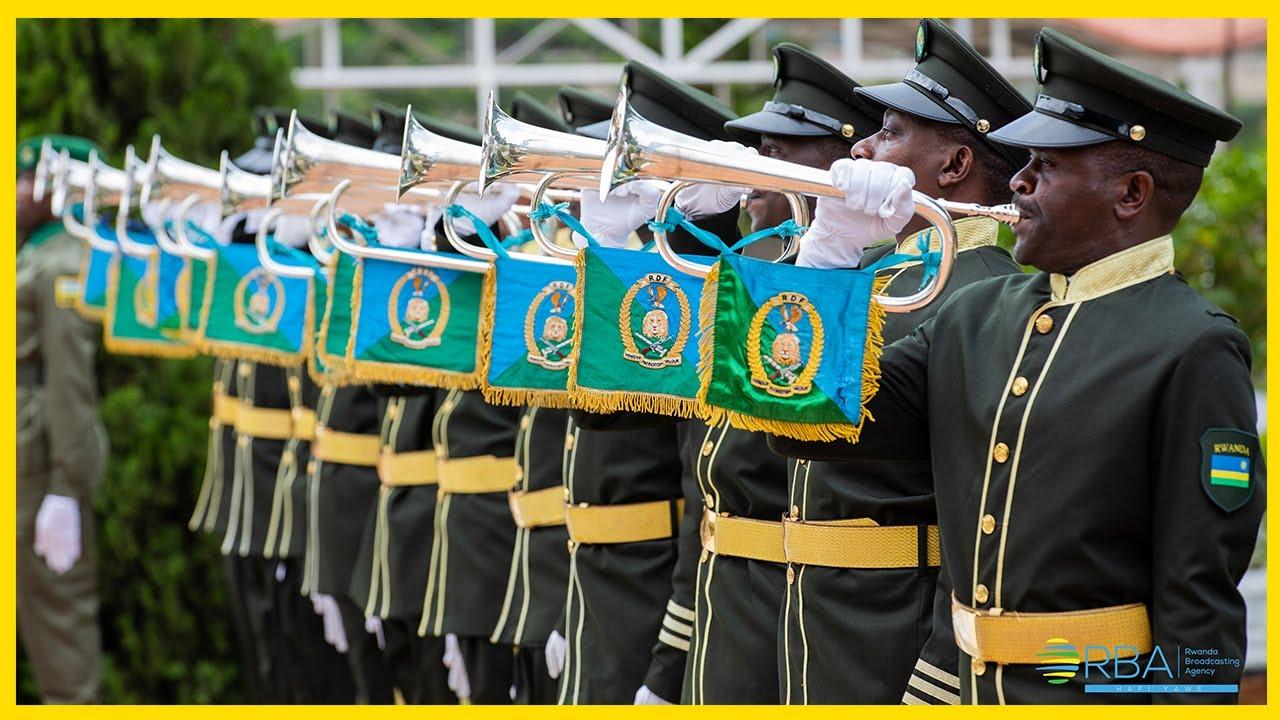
[145, 303]
[664, 308]
[411, 316]
[776, 337]
[554, 306]
[259, 302]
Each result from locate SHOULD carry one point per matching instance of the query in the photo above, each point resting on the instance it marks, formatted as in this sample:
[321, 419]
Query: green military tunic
[832, 612]
[539, 569]
[539, 565]
[1075, 430]
[619, 595]
[739, 599]
[474, 532]
[61, 448]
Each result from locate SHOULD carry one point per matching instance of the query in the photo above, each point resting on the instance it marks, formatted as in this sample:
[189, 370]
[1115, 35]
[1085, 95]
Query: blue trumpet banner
[255, 314]
[529, 332]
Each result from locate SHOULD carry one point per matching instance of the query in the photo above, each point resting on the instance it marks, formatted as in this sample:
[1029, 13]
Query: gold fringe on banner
[707, 341]
[135, 346]
[384, 372]
[808, 432]
[194, 335]
[335, 371]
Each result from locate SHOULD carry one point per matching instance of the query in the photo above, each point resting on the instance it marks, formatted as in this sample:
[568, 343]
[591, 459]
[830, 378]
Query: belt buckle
[513, 501]
[707, 530]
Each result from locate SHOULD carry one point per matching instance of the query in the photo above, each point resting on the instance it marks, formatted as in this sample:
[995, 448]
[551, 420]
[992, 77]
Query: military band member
[343, 491]
[813, 119]
[936, 124]
[61, 447]
[391, 570]
[629, 602]
[1092, 426]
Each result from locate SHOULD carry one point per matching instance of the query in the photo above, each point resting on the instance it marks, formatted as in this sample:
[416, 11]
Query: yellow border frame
[507, 8]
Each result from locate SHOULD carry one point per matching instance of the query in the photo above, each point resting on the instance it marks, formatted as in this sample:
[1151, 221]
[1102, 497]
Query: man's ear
[1135, 191]
[957, 166]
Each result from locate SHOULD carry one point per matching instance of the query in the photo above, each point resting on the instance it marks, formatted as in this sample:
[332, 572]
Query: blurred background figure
[61, 447]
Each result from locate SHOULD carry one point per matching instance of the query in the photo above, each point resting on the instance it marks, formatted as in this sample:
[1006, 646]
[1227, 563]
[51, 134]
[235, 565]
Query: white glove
[625, 209]
[458, 681]
[708, 199]
[373, 626]
[495, 203]
[327, 608]
[645, 696]
[58, 532]
[877, 204]
[292, 230]
[399, 226]
[554, 653]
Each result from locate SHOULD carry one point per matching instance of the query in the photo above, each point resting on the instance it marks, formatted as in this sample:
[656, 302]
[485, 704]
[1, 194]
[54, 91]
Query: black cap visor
[597, 130]
[1036, 129]
[905, 98]
[749, 128]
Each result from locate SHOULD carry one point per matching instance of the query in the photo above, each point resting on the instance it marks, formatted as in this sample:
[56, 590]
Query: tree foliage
[167, 632]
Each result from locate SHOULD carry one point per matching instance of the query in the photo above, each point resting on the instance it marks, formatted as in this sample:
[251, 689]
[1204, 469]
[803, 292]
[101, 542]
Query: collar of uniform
[971, 232]
[1131, 266]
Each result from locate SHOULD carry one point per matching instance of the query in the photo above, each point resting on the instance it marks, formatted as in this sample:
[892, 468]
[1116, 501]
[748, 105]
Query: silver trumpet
[134, 179]
[176, 185]
[640, 149]
[515, 149]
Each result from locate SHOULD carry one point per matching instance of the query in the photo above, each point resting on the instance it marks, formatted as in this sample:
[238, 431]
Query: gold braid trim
[707, 345]
[196, 334]
[559, 399]
[484, 333]
[821, 432]
[135, 346]
[579, 317]
[335, 371]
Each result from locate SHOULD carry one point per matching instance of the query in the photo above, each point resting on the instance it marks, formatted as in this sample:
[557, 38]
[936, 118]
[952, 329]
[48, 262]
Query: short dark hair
[994, 170]
[1177, 181]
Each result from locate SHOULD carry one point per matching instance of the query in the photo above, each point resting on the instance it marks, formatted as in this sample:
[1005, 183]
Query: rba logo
[1063, 661]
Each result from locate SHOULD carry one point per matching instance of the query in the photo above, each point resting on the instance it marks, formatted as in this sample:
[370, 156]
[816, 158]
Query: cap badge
[1036, 62]
[920, 37]
[846, 130]
[982, 125]
[1137, 132]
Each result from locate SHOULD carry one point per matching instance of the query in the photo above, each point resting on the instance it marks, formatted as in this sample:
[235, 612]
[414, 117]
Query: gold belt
[408, 468]
[1019, 638]
[304, 423]
[742, 537]
[475, 475]
[264, 423]
[224, 408]
[631, 522]
[857, 544]
[345, 448]
[537, 508]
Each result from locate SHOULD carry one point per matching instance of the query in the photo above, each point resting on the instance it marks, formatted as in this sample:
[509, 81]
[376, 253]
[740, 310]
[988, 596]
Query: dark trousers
[490, 670]
[251, 599]
[533, 685]
[310, 670]
[374, 684]
[417, 663]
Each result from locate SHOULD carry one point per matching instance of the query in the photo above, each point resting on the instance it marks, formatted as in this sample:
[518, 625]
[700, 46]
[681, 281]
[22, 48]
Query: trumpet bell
[241, 190]
[167, 176]
[516, 151]
[310, 164]
[430, 160]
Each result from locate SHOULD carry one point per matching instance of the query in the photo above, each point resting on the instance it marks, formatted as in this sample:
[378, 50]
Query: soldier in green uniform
[813, 119]
[61, 448]
[538, 565]
[1092, 426]
[343, 489]
[625, 626]
[390, 575]
[936, 124]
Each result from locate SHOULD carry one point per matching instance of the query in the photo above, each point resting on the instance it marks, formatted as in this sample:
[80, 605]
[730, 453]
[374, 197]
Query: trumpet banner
[335, 324]
[255, 314]
[142, 314]
[413, 324]
[192, 293]
[319, 370]
[94, 271]
[637, 322]
[788, 350]
[529, 332]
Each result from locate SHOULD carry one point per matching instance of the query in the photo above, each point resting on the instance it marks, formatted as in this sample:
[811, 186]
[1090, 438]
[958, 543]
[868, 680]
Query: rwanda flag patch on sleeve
[1228, 465]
